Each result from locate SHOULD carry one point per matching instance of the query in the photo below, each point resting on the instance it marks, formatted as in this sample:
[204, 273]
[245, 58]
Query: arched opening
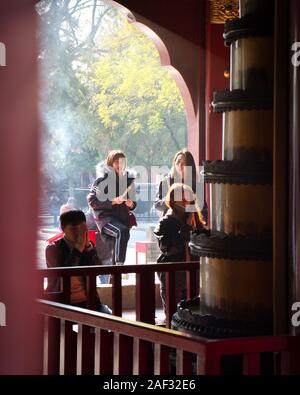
[165, 61]
[105, 85]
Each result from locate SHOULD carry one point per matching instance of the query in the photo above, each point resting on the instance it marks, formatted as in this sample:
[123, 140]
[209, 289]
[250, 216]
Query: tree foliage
[68, 49]
[102, 88]
[137, 101]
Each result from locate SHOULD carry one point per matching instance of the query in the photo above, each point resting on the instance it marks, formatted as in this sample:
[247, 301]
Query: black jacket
[102, 208]
[172, 235]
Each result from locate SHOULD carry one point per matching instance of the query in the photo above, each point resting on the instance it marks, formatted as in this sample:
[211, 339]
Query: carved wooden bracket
[223, 10]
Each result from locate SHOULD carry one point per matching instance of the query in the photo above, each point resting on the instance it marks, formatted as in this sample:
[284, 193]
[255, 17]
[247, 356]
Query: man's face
[73, 231]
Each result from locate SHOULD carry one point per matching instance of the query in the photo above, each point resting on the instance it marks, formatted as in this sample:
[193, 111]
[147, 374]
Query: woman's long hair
[177, 193]
[190, 163]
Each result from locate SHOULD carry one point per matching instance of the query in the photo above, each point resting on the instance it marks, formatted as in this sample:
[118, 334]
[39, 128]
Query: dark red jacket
[58, 254]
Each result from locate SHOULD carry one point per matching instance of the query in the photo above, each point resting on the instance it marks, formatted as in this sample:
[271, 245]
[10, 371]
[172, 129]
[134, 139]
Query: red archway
[182, 53]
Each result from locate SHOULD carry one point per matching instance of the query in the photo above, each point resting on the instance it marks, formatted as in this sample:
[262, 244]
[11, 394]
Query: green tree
[103, 88]
[137, 100]
[68, 49]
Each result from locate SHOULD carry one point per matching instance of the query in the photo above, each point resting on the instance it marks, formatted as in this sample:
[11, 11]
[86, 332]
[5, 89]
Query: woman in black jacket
[112, 197]
[183, 171]
[173, 233]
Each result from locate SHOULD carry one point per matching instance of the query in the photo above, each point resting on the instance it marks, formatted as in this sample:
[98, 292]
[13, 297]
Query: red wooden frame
[140, 348]
[145, 293]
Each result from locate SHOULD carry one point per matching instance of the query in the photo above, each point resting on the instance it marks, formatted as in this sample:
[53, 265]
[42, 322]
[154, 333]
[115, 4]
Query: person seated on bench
[112, 197]
[74, 249]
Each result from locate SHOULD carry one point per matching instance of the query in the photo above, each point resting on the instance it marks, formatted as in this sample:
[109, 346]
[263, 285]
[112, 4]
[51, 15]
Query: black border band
[223, 246]
[239, 99]
[248, 26]
[237, 172]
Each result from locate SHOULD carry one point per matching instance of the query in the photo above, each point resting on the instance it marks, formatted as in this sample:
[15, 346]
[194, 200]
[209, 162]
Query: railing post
[145, 297]
[67, 352]
[184, 363]
[91, 291]
[123, 354]
[170, 297]
[161, 359]
[142, 357]
[104, 346]
[66, 290]
[85, 350]
[51, 346]
[209, 363]
[117, 294]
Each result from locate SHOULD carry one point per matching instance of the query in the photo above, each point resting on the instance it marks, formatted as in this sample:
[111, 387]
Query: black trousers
[120, 232]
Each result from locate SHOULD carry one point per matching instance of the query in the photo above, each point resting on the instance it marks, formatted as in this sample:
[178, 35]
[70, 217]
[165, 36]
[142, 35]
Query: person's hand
[88, 244]
[87, 240]
[82, 238]
[129, 203]
[118, 200]
[190, 219]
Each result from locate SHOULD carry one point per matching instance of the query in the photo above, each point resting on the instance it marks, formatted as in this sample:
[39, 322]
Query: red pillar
[20, 349]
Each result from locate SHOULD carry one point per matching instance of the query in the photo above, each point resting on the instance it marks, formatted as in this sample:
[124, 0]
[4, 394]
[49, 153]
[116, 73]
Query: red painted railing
[112, 345]
[145, 286]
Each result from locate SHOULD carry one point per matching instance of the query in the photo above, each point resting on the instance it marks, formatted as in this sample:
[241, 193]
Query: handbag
[131, 217]
[131, 220]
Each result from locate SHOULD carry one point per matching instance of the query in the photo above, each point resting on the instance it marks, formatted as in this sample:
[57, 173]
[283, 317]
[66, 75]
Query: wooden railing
[107, 344]
[145, 286]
